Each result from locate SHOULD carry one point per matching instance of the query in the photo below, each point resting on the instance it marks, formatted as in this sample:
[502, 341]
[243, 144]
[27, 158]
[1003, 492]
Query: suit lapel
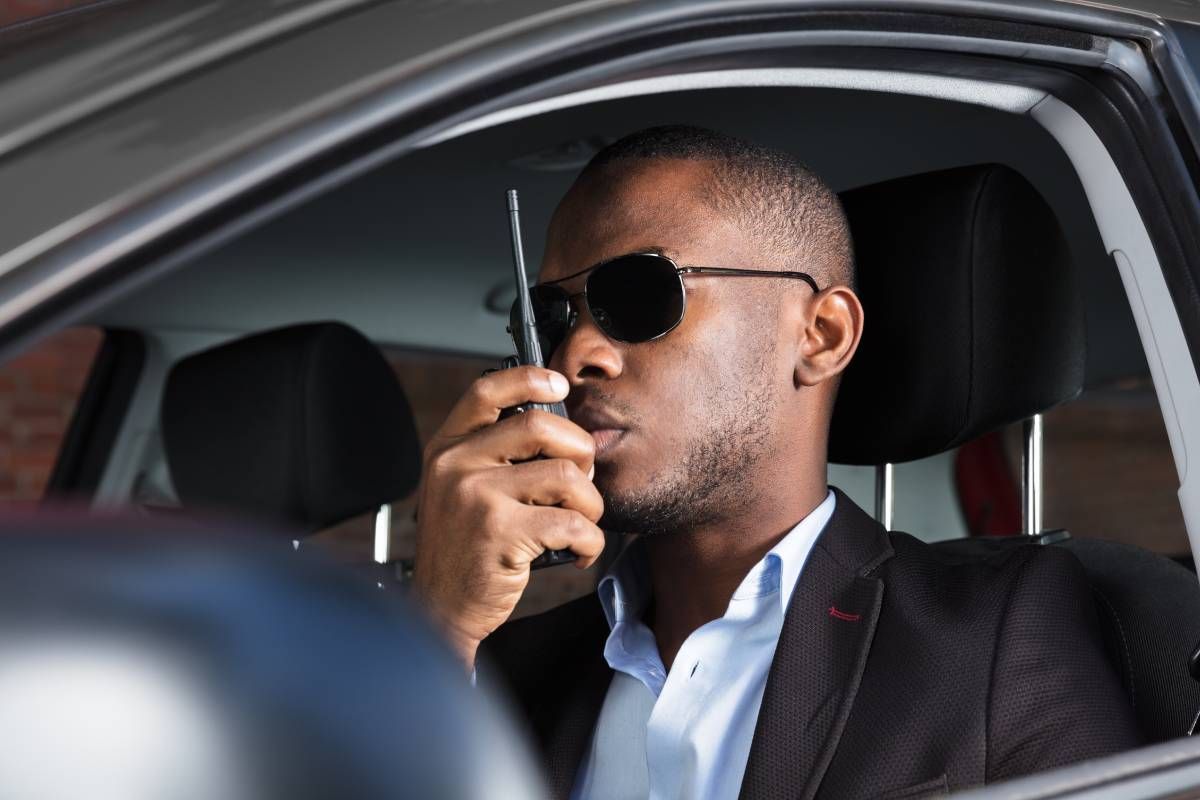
[820, 658]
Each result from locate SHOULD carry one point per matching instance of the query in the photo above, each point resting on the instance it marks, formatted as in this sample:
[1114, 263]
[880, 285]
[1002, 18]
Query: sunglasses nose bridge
[585, 330]
[577, 309]
[586, 352]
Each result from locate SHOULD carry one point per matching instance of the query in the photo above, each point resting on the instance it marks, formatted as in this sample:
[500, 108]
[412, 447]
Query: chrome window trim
[999, 96]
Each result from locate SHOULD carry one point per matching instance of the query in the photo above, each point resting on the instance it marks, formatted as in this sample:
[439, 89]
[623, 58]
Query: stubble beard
[715, 479]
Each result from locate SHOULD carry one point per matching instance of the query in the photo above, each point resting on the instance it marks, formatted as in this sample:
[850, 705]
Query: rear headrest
[973, 316]
[305, 426]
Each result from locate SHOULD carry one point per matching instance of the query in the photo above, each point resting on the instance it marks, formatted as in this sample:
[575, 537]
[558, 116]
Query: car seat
[974, 320]
[301, 427]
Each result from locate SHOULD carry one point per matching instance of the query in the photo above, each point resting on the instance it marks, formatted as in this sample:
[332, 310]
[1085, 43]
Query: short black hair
[771, 192]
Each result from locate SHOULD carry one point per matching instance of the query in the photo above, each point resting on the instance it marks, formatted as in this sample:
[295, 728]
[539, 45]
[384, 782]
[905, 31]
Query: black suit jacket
[900, 671]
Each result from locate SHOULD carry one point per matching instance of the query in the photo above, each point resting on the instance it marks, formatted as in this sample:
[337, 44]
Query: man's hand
[484, 518]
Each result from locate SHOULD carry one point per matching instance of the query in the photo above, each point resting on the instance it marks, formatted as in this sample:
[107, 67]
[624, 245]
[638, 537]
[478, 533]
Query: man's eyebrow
[655, 249]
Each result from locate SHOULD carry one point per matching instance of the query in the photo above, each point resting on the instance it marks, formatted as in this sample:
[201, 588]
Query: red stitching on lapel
[842, 615]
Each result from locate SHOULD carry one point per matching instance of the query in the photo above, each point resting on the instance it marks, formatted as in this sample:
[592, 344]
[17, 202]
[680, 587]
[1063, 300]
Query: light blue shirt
[687, 733]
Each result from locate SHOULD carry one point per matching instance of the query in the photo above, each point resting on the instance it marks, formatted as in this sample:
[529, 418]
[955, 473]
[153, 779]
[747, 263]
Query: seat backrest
[973, 321]
[303, 426]
[1149, 611]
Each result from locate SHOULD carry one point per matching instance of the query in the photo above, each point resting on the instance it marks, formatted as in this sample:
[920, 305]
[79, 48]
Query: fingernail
[592, 472]
[559, 384]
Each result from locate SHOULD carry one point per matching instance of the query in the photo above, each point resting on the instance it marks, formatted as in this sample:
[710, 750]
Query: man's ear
[833, 325]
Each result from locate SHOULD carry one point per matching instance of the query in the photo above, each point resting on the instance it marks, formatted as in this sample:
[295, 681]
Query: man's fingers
[529, 435]
[489, 394]
[550, 482]
[563, 529]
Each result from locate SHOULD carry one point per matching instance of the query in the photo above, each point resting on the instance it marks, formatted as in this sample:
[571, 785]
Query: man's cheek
[641, 458]
[669, 441]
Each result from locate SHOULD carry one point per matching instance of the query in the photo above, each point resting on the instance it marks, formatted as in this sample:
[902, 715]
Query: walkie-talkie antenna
[530, 347]
[529, 352]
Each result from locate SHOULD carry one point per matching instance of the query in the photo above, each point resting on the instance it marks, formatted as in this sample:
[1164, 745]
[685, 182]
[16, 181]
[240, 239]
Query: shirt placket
[670, 739]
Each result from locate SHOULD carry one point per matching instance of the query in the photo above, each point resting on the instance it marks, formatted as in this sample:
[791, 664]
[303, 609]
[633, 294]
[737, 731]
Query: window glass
[39, 390]
[1109, 472]
[924, 503]
[433, 384]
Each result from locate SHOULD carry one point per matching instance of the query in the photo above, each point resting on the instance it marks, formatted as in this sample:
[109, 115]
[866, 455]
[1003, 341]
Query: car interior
[277, 377]
[415, 253]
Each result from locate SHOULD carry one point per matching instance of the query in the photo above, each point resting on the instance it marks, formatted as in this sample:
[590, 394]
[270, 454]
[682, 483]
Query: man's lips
[606, 438]
[606, 430]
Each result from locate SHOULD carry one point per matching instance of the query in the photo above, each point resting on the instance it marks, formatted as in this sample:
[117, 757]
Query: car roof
[84, 56]
[130, 96]
[109, 104]
[52, 64]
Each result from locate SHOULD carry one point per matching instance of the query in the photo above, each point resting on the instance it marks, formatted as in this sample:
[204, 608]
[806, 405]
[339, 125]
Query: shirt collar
[625, 589]
[793, 549]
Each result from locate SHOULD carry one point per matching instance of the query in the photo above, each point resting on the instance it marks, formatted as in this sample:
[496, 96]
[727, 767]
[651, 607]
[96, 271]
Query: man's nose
[586, 353]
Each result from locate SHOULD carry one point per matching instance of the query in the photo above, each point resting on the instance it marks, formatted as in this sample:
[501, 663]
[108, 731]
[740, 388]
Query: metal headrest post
[1031, 477]
[383, 534]
[885, 495]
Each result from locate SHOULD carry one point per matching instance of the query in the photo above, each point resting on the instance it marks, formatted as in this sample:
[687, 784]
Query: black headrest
[973, 319]
[304, 425]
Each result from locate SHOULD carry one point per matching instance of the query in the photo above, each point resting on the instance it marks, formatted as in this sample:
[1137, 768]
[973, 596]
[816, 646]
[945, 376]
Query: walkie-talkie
[529, 351]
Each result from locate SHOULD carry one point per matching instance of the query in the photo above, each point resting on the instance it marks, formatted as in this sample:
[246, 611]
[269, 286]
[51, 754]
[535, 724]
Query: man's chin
[640, 514]
[619, 500]
[619, 481]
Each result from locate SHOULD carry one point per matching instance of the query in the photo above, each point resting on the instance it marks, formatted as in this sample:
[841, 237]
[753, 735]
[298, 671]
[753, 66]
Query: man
[761, 636]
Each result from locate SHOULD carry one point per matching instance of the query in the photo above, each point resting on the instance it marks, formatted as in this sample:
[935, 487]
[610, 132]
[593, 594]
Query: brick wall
[38, 393]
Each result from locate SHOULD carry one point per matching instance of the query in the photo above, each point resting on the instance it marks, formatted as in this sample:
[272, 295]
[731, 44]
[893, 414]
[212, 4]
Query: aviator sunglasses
[632, 298]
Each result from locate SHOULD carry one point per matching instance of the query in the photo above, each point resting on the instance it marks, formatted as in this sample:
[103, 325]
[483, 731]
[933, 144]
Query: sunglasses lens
[636, 298]
[551, 310]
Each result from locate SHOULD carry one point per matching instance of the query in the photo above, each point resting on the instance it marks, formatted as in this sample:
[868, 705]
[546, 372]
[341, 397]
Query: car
[180, 181]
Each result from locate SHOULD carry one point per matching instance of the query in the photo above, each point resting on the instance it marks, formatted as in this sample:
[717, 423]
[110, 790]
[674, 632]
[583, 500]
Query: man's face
[700, 409]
